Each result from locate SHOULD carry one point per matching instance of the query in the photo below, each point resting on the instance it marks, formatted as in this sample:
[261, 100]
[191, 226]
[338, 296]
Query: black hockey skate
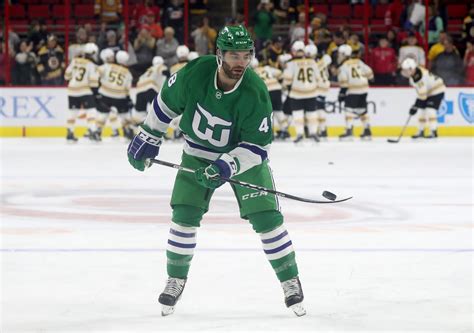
[323, 135]
[294, 296]
[128, 133]
[366, 134]
[315, 138]
[282, 135]
[115, 133]
[298, 139]
[347, 135]
[418, 135]
[170, 296]
[70, 136]
[433, 135]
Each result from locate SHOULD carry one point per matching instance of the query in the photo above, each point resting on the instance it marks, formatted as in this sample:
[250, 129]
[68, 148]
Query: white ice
[83, 237]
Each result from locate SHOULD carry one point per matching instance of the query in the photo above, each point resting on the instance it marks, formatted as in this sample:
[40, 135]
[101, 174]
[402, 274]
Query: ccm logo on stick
[253, 195]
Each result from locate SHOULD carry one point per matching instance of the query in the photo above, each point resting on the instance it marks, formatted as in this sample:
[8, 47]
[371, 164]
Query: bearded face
[234, 63]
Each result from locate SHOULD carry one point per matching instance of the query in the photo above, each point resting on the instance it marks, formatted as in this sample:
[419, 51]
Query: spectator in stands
[337, 40]
[166, 47]
[392, 40]
[469, 63]
[143, 12]
[24, 72]
[283, 11]
[144, 46]
[51, 63]
[393, 15]
[38, 34]
[91, 36]
[111, 41]
[78, 47]
[383, 61]
[412, 50]
[449, 65]
[13, 41]
[437, 48]
[332, 51]
[173, 17]
[108, 10]
[356, 45]
[297, 30]
[263, 22]
[204, 38]
[435, 26]
[468, 25]
[274, 51]
[198, 8]
[320, 35]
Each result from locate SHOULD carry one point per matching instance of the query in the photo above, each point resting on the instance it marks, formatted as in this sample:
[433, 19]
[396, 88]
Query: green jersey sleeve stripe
[166, 110]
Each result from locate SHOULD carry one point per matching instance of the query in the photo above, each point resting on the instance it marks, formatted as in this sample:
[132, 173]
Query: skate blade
[298, 309]
[167, 310]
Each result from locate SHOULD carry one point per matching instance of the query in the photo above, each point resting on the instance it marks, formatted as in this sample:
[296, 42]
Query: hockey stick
[401, 134]
[328, 195]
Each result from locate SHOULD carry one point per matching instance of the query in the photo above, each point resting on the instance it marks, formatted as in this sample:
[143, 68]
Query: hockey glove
[225, 166]
[146, 144]
[413, 110]
[209, 177]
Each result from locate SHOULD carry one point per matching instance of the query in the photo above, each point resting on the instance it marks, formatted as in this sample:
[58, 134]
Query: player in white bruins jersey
[282, 132]
[115, 84]
[353, 77]
[430, 94]
[82, 77]
[271, 76]
[148, 86]
[182, 52]
[322, 75]
[300, 78]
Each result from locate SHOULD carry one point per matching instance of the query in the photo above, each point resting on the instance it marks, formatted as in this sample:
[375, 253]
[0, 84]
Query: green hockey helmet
[234, 38]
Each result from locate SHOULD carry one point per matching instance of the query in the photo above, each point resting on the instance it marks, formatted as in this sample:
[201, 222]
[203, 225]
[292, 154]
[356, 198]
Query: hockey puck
[330, 196]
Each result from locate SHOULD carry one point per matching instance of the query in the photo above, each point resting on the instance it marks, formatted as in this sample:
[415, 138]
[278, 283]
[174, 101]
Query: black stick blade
[392, 141]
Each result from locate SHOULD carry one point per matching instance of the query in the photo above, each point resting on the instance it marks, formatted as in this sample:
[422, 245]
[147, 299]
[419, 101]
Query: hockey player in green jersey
[226, 122]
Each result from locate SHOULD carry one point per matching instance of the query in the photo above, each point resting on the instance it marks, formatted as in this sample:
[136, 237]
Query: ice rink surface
[83, 237]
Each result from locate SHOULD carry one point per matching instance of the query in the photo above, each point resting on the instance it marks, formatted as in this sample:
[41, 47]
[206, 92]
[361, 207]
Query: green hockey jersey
[237, 122]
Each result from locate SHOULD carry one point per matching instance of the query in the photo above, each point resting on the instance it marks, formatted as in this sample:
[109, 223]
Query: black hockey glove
[413, 110]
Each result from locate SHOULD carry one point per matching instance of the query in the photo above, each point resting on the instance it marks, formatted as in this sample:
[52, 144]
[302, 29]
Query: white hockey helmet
[284, 58]
[107, 55]
[193, 55]
[122, 57]
[157, 60]
[345, 50]
[408, 67]
[182, 52]
[310, 51]
[409, 63]
[91, 48]
[254, 62]
[327, 60]
[297, 46]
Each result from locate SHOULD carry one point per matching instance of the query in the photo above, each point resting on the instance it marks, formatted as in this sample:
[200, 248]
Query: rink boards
[42, 112]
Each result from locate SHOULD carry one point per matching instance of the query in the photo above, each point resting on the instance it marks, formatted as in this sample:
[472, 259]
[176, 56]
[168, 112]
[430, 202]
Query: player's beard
[234, 73]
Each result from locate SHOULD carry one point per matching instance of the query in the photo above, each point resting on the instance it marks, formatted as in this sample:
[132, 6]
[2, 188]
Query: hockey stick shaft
[247, 185]
[402, 132]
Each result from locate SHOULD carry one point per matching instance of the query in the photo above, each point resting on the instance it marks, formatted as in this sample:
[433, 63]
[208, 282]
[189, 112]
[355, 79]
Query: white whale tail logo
[211, 123]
